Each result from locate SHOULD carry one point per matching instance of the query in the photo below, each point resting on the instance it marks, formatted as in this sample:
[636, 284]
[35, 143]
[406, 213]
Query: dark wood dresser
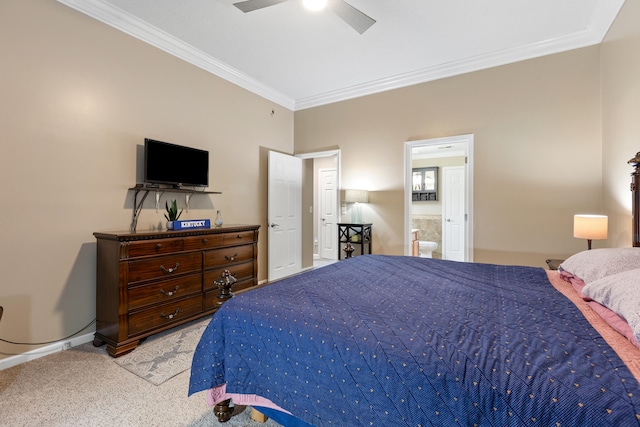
[149, 282]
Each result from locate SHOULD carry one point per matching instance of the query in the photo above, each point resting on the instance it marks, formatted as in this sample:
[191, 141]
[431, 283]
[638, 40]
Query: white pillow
[619, 293]
[597, 263]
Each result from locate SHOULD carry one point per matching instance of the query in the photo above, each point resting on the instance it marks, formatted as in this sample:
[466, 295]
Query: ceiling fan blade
[251, 5]
[352, 16]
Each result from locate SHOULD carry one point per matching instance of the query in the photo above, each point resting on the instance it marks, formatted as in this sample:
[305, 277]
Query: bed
[380, 340]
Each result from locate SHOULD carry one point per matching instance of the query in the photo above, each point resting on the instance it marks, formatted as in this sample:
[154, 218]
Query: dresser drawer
[203, 242]
[211, 297]
[154, 247]
[239, 271]
[220, 257]
[238, 238]
[243, 285]
[211, 300]
[165, 266]
[165, 314]
[164, 291]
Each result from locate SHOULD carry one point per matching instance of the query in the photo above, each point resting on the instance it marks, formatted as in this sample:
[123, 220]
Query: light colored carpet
[163, 356]
[84, 387]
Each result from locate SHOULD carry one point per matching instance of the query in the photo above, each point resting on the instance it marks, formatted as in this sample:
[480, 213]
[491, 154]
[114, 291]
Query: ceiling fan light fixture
[314, 5]
[349, 14]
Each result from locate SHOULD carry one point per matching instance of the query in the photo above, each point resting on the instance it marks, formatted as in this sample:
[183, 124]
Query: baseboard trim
[45, 351]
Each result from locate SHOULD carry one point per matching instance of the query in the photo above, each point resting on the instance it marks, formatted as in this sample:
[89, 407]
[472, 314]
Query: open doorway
[441, 217]
[321, 201]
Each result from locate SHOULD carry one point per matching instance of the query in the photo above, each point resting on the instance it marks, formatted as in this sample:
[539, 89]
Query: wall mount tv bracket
[141, 188]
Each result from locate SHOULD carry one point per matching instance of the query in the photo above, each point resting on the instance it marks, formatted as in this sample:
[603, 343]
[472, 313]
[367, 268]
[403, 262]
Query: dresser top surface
[163, 234]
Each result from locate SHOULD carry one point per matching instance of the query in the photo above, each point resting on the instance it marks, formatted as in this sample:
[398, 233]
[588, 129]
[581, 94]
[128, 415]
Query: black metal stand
[351, 235]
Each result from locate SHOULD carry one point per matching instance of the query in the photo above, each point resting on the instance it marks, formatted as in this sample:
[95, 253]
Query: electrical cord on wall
[49, 342]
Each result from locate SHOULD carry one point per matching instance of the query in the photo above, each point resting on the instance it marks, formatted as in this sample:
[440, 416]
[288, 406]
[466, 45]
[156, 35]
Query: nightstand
[554, 263]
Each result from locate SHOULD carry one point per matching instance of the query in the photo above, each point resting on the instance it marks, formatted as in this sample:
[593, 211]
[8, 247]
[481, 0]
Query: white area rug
[165, 355]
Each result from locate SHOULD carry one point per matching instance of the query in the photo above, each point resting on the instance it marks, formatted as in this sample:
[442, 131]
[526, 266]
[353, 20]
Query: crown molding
[601, 21]
[604, 15]
[450, 69]
[117, 18]
[131, 25]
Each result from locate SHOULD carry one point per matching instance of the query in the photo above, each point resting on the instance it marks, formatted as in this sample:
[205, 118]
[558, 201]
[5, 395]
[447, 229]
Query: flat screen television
[176, 165]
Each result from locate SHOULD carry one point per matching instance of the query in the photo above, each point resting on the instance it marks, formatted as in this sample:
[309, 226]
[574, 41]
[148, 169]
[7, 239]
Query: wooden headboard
[635, 196]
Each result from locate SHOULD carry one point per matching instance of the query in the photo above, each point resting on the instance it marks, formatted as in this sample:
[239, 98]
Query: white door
[453, 213]
[328, 219]
[284, 215]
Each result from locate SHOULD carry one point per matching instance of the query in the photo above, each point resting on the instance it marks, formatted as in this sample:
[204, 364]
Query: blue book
[191, 223]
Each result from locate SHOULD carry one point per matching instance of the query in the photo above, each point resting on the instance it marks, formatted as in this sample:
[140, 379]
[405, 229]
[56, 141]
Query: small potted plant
[172, 213]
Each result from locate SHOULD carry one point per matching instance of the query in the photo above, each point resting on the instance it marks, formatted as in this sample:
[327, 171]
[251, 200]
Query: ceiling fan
[349, 14]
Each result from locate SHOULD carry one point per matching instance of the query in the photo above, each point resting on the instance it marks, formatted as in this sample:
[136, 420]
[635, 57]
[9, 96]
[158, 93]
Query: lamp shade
[591, 227]
[356, 196]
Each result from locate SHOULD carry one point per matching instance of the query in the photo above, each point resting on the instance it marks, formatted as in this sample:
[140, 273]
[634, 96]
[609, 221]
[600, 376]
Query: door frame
[316, 155]
[464, 141]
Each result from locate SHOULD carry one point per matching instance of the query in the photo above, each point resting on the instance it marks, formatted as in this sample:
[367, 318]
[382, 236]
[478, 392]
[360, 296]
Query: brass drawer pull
[205, 241]
[170, 293]
[159, 245]
[239, 236]
[170, 270]
[232, 257]
[171, 316]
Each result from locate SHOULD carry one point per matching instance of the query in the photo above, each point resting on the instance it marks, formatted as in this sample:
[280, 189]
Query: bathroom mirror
[425, 184]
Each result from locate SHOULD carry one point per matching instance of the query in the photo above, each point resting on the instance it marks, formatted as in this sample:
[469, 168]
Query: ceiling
[301, 59]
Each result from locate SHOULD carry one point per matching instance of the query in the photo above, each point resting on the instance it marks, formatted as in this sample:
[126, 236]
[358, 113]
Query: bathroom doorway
[445, 231]
[321, 191]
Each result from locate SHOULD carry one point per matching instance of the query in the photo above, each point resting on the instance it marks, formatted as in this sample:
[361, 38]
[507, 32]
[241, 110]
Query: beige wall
[621, 113]
[78, 98]
[537, 138]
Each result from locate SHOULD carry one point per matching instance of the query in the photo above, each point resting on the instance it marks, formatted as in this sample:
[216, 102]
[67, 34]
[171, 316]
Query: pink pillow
[609, 316]
[576, 282]
[615, 321]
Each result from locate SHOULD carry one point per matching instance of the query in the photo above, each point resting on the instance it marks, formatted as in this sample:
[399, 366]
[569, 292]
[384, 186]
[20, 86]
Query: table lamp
[590, 227]
[356, 197]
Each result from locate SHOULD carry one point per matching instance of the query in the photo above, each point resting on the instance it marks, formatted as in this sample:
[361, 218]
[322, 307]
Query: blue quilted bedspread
[402, 341]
